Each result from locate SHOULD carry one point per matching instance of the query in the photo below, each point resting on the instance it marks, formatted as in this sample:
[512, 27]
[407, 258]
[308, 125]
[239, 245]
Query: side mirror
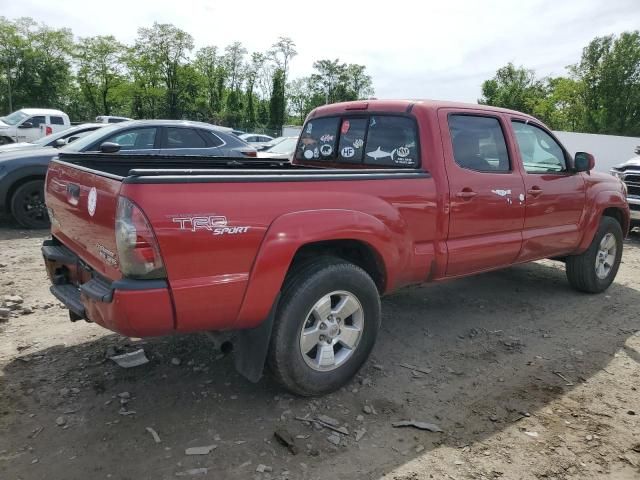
[61, 142]
[26, 125]
[584, 162]
[109, 147]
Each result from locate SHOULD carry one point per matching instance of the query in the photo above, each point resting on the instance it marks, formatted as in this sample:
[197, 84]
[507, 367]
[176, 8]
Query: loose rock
[60, 421]
[263, 468]
[286, 439]
[206, 450]
[334, 438]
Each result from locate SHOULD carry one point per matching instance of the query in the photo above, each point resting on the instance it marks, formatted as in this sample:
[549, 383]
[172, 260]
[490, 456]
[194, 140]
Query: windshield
[288, 145]
[14, 118]
[84, 142]
[55, 136]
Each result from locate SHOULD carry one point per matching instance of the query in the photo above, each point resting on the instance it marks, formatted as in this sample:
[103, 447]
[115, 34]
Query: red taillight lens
[137, 245]
[48, 130]
[250, 153]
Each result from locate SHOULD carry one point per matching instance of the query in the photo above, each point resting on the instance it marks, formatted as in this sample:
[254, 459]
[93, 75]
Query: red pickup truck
[293, 259]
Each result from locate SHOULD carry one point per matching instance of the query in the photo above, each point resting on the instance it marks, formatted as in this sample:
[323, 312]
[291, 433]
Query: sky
[412, 49]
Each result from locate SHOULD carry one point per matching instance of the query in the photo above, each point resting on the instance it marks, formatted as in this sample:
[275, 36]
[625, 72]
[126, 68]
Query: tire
[27, 205]
[583, 272]
[294, 362]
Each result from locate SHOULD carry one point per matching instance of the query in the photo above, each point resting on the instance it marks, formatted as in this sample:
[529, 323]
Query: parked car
[273, 142]
[29, 124]
[57, 140]
[111, 119]
[381, 195]
[256, 140]
[282, 150]
[22, 173]
[629, 173]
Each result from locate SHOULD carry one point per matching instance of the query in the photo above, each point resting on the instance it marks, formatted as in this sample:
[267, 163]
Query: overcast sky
[421, 49]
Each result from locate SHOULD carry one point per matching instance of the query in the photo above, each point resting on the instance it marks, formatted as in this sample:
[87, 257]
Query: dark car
[22, 172]
[57, 140]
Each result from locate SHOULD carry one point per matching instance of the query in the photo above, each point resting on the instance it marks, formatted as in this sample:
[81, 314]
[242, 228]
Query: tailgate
[82, 205]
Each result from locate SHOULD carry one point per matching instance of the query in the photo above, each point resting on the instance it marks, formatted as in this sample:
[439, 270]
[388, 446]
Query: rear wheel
[595, 269]
[28, 207]
[325, 327]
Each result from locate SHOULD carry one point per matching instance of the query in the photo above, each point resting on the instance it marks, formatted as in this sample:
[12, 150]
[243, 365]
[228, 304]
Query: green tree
[164, 49]
[609, 71]
[277, 101]
[100, 72]
[513, 87]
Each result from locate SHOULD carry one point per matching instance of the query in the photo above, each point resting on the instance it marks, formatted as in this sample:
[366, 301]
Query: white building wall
[609, 150]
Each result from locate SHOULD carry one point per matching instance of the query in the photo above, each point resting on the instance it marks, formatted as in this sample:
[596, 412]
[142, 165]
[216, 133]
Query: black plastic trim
[265, 178]
[70, 297]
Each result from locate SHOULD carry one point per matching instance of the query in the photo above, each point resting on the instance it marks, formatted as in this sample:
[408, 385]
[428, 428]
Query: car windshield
[288, 145]
[84, 142]
[14, 118]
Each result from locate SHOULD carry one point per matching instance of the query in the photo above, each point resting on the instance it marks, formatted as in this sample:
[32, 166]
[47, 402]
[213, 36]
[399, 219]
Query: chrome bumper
[634, 204]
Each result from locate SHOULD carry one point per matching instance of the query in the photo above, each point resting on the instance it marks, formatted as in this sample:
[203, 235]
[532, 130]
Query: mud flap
[251, 347]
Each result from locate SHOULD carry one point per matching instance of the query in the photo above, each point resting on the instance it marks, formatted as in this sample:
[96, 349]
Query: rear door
[555, 196]
[186, 141]
[486, 192]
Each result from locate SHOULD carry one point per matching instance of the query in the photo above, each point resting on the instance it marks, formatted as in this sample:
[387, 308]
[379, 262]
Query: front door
[555, 196]
[486, 193]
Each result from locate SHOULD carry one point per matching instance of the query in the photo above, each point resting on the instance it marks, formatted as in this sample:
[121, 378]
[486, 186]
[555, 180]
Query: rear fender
[602, 201]
[288, 233]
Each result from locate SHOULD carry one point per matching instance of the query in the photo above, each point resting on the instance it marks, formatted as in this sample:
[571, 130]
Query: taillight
[48, 130]
[137, 245]
[249, 153]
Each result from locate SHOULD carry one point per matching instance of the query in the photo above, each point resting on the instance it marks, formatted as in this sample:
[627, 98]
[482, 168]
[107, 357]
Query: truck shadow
[490, 349]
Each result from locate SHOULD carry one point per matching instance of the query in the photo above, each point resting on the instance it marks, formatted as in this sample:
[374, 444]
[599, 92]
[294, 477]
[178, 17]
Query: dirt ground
[526, 378]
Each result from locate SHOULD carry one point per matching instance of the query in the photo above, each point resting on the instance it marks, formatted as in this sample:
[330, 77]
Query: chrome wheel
[332, 331]
[606, 256]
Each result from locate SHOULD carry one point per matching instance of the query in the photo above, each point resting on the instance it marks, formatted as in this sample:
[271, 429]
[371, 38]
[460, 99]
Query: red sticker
[345, 126]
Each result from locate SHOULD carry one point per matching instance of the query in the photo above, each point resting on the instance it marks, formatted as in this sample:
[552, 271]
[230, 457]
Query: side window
[212, 139]
[37, 121]
[318, 139]
[352, 136]
[539, 151]
[138, 139]
[391, 141]
[184, 138]
[56, 120]
[478, 143]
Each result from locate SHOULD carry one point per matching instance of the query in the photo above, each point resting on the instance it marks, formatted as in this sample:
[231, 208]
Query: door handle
[534, 191]
[73, 193]
[466, 194]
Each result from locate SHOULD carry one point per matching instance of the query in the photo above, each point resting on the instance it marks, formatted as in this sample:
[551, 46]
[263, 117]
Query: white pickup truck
[29, 124]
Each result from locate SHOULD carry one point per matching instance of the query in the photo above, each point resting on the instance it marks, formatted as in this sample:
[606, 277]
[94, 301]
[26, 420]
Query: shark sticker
[379, 154]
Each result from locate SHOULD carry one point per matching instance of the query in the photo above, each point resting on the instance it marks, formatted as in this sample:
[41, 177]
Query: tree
[609, 71]
[252, 72]
[164, 48]
[299, 93]
[513, 87]
[277, 102]
[100, 71]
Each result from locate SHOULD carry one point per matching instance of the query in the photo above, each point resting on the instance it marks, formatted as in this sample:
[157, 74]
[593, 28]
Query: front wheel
[325, 326]
[596, 268]
[27, 205]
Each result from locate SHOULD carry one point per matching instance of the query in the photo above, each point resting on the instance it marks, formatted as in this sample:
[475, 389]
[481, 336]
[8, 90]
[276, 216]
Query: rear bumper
[140, 308]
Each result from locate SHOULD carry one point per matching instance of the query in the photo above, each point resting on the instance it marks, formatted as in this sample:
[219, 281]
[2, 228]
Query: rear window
[57, 121]
[376, 140]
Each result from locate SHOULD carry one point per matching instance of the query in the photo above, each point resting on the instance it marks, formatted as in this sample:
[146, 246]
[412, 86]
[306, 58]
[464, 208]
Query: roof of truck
[45, 111]
[405, 106]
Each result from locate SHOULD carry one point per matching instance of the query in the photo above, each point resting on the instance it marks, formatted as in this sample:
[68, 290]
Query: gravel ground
[526, 378]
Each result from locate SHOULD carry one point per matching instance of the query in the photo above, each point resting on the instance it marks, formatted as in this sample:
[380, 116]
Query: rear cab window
[368, 140]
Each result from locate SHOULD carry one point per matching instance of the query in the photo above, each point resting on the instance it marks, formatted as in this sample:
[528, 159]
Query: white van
[29, 124]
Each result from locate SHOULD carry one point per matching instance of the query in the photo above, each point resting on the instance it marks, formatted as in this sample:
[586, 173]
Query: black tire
[27, 205]
[581, 269]
[302, 290]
